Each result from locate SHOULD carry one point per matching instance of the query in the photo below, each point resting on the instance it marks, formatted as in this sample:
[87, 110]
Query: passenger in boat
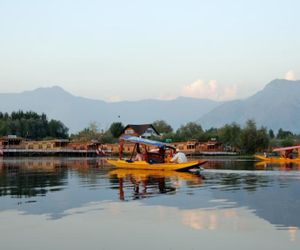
[156, 155]
[139, 156]
[162, 151]
[179, 157]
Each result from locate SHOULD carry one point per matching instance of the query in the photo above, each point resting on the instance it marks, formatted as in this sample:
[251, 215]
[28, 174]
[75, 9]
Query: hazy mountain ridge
[276, 106]
[77, 112]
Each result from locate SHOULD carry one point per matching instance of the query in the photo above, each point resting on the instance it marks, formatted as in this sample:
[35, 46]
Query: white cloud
[210, 90]
[290, 75]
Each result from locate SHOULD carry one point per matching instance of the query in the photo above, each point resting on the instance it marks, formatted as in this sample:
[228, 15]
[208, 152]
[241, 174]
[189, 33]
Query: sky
[134, 49]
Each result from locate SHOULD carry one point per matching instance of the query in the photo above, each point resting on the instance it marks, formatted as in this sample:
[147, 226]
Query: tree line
[247, 139]
[31, 125]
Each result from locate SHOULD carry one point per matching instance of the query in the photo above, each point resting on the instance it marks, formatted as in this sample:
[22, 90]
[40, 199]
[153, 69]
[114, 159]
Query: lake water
[60, 203]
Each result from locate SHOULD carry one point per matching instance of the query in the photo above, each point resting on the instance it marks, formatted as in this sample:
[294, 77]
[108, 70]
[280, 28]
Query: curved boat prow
[196, 165]
[261, 157]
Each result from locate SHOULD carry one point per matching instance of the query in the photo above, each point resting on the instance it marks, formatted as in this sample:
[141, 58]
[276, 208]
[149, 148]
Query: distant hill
[77, 112]
[276, 106]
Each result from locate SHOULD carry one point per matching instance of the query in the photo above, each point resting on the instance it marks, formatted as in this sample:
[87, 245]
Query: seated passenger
[179, 157]
[139, 156]
[156, 155]
[155, 158]
[162, 151]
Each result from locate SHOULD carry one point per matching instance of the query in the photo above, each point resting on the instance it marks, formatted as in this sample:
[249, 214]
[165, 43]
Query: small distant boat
[154, 161]
[276, 159]
[285, 156]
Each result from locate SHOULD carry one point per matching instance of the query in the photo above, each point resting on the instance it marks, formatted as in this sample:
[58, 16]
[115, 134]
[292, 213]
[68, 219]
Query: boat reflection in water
[147, 183]
[288, 166]
[252, 165]
[77, 201]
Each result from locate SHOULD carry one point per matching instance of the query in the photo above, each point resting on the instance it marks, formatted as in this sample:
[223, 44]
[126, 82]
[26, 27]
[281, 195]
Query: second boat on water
[286, 155]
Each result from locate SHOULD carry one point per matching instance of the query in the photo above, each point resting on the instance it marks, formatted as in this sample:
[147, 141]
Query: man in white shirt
[179, 157]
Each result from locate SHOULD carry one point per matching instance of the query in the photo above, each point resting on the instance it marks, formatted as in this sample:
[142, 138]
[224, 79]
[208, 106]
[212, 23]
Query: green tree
[31, 125]
[116, 129]
[92, 132]
[262, 139]
[189, 131]
[57, 129]
[287, 142]
[230, 135]
[283, 134]
[248, 137]
[162, 127]
[209, 134]
[107, 137]
[253, 140]
[271, 134]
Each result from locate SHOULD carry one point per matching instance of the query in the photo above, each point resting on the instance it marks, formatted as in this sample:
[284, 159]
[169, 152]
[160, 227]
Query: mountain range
[77, 112]
[276, 106]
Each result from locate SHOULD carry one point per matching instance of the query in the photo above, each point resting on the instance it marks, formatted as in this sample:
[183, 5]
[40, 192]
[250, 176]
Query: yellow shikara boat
[277, 159]
[152, 161]
[285, 153]
[157, 166]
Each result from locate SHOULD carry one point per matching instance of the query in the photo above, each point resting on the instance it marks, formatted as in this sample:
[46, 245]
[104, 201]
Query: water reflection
[31, 178]
[49, 185]
[147, 183]
[28, 177]
[54, 186]
[264, 165]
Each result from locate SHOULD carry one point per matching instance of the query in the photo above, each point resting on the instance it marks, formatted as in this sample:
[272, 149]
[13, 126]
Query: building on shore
[192, 147]
[12, 145]
[11, 141]
[46, 144]
[141, 130]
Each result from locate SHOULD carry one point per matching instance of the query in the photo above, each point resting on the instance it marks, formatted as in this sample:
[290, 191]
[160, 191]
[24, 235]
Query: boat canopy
[140, 140]
[286, 148]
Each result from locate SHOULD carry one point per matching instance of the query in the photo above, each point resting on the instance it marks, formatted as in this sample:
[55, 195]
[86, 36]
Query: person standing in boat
[179, 157]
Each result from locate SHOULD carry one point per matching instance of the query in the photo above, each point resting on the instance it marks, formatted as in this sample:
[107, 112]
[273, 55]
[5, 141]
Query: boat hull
[158, 166]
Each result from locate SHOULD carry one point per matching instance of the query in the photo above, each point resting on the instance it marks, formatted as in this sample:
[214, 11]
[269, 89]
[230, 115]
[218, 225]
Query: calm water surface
[60, 203]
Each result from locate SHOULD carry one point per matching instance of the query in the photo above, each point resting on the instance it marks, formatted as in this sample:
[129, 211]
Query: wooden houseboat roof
[141, 128]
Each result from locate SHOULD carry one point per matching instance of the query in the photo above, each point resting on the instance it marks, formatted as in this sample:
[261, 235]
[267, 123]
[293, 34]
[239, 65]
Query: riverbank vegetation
[31, 125]
[246, 139]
